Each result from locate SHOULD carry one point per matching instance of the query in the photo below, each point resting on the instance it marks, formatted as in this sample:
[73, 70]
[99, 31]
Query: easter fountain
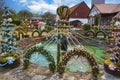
[68, 47]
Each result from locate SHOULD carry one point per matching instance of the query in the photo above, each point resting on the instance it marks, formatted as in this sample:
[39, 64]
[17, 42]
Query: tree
[25, 14]
[48, 17]
[86, 26]
[12, 12]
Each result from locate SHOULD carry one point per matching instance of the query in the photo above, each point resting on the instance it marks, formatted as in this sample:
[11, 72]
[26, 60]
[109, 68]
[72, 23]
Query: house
[117, 16]
[76, 23]
[79, 12]
[102, 14]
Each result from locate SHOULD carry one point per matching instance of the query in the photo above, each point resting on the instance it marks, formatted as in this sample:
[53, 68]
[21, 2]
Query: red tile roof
[108, 8]
[73, 8]
[80, 10]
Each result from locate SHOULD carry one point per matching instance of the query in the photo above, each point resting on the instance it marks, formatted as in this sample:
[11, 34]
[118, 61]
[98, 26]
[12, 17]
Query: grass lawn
[98, 53]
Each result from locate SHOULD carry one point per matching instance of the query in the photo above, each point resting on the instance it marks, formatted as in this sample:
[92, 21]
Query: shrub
[48, 28]
[96, 20]
[16, 22]
[86, 26]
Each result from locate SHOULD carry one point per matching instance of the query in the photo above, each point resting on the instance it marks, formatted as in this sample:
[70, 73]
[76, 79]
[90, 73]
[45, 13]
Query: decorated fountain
[65, 39]
[8, 56]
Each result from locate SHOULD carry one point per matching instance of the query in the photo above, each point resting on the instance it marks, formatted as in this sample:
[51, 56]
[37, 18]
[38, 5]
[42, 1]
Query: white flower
[9, 19]
[112, 67]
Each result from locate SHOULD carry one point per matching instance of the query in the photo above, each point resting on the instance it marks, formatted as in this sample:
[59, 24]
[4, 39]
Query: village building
[117, 16]
[103, 14]
[79, 12]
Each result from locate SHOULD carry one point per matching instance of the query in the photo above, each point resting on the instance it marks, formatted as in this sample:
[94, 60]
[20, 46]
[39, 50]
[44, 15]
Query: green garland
[35, 31]
[79, 52]
[42, 51]
[43, 31]
[90, 31]
[100, 32]
[61, 13]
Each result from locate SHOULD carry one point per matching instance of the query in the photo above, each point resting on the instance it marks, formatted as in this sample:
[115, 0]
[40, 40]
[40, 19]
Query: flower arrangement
[111, 68]
[111, 51]
[112, 65]
[80, 51]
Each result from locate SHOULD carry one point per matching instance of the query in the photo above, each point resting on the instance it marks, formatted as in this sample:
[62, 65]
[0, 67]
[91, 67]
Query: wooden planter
[14, 65]
[113, 72]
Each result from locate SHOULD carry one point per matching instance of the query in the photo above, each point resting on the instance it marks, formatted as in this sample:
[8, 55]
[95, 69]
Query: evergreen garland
[42, 51]
[62, 12]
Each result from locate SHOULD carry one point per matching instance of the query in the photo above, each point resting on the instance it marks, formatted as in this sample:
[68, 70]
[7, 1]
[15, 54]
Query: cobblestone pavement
[110, 77]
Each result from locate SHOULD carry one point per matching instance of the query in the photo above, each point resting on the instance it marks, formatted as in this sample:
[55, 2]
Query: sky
[42, 6]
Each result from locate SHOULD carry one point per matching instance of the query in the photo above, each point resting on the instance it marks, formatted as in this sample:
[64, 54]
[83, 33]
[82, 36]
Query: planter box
[14, 65]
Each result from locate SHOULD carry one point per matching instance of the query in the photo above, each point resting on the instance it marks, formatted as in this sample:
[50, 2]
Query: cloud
[41, 6]
[20, 1]
[23, 1]
[113, 1]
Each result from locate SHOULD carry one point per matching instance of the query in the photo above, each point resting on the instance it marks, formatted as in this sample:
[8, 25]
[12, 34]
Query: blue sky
[41, 6]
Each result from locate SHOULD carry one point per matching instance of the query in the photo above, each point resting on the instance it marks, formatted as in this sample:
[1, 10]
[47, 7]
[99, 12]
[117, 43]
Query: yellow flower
[108, 62]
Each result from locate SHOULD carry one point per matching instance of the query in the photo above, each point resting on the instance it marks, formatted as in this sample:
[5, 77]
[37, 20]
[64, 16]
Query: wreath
[43, 32]
[90, 32]
[100, 32]
[34, 32]
[63, 11]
